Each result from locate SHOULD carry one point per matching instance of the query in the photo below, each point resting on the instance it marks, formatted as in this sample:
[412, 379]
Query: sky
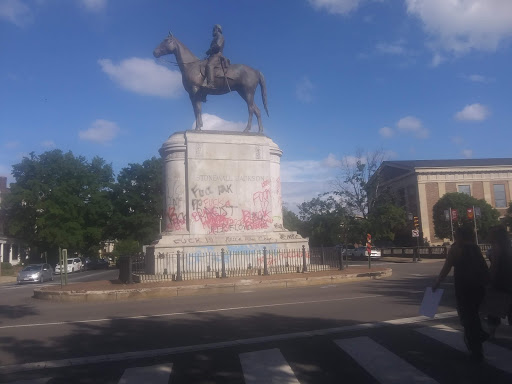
[417, 79]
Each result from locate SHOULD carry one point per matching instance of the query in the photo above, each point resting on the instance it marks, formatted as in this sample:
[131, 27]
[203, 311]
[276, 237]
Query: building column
[10, 254]
[1, 252]
[424, 217]
[487, 192]
[442, 188]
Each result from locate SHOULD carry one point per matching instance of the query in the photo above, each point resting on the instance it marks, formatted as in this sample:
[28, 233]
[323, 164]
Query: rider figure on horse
[215, 57]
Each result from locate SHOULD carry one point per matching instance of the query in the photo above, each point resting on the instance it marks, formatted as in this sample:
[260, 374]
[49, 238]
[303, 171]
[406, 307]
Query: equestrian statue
[215, 76]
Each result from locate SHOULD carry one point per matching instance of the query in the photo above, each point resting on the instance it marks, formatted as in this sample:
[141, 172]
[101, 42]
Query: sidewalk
[7, 279]
[114, 290]
[391, 259]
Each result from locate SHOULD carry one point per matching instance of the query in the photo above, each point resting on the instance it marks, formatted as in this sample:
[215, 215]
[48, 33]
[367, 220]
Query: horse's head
[167, 46]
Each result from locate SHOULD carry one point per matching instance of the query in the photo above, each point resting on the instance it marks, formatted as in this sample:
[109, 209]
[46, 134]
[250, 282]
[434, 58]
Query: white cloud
[475, 78]
[306, 171]
[216, 123]
[473, 112]
[48, 144]
[101, 131]
[411, 124]
[94, 5]
[295, 193]
[386, 132]
[335, 6]
[143, 76]
[396, 48]
[11, 144]
[304, 90]
[15, 11]
[459, 26]
[331, 161]
[467, 153]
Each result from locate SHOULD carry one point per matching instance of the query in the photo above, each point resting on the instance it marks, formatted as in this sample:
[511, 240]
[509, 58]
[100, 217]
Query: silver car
[35, 272]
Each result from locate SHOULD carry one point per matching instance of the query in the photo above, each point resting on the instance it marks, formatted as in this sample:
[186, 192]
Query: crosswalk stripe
[155, 374]
[495, 355]
[382, 364]
[267, 366]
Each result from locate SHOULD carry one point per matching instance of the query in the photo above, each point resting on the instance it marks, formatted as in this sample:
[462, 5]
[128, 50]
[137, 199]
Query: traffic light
[416, 222]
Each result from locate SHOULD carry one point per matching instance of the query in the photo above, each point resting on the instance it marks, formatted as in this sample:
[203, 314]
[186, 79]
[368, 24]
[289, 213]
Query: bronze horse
[238, 77]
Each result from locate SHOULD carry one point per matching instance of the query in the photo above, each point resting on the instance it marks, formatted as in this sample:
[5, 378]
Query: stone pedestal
[222, 191]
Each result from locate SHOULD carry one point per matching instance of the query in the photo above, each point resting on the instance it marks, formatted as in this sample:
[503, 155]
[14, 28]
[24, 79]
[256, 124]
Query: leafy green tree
[126, 247]
[137, 200]
[59, 200]
[385, 221]
[461, 202]
[291, 221]
[322, 218]
[508, 217]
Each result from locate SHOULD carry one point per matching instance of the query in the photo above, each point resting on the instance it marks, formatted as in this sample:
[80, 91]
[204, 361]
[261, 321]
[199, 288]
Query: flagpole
[451, 224]
[474, 220]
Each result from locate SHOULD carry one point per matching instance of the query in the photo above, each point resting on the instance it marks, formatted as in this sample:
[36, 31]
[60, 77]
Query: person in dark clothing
[500, 256]
[471, 275]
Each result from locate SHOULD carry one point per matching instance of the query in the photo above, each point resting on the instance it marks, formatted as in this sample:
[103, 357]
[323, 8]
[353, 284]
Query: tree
[59, 200]
[291, 221]
[355, 181]
[385, 221]
[508, 217]
[322, 218]
[461, 202]
[137, 200]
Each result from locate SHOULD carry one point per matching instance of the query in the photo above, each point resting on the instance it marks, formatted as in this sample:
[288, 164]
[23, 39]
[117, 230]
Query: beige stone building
[419, 184]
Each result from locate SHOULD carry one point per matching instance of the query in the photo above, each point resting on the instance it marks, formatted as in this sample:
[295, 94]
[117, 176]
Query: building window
[464, 189]
[500, 200]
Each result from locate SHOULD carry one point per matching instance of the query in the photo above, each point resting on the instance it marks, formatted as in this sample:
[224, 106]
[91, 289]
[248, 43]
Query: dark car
[98, 264]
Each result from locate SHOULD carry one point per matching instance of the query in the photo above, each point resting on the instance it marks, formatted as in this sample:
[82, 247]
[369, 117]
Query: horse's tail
[263, 90]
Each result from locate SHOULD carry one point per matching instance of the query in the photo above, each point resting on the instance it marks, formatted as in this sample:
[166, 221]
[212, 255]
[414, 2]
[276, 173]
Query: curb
[201, 289]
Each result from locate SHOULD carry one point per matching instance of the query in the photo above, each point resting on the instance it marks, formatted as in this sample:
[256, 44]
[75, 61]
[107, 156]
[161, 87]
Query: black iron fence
[423, 252]
[190, 266]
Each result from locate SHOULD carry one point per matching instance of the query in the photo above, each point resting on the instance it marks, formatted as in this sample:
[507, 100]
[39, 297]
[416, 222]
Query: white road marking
[495, 355]
[382, 364]
[205, 347]
[188, 313]
[155, 374]
[267, 366]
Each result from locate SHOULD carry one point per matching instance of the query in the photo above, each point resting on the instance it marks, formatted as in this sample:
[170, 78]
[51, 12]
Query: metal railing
[190, 266]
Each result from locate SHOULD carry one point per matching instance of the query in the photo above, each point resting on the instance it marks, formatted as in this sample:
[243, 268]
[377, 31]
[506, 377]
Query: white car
[74, 265]
[361, 252]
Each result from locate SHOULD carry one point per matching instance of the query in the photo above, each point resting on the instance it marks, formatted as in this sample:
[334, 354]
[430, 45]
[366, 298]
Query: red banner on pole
[454, 215]
[470, 213]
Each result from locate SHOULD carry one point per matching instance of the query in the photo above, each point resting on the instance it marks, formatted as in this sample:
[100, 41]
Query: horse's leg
[258, 115]
[196, 104]
[249, 99]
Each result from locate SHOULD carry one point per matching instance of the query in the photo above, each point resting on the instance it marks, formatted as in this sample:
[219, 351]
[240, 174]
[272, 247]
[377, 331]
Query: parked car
[74, 265]
[348, 250]
[361, 253]
[35, 272]
[98, 264]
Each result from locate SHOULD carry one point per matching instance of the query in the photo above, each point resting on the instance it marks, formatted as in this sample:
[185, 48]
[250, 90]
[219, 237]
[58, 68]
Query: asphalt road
[215, 338]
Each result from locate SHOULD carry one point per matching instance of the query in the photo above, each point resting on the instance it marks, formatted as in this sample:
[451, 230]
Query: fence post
[223, 274]
[265, 267]
[322, 259]
[304, 265]
[340, 258]
[178, 266]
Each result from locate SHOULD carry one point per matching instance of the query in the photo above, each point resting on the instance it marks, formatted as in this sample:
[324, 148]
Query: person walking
[471, 275]
[500, 256]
